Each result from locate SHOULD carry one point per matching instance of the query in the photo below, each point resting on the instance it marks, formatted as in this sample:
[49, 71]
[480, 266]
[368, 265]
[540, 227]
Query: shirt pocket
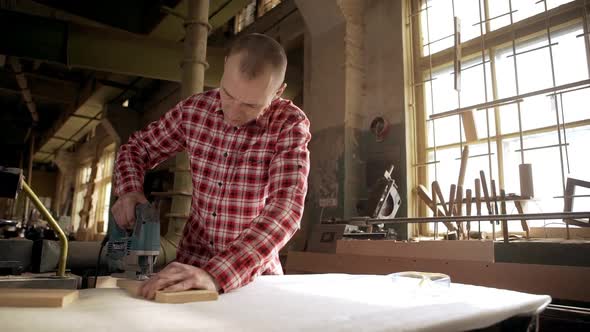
[252, 168]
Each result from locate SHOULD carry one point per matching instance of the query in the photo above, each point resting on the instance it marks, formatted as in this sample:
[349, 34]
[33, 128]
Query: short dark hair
[258, 52]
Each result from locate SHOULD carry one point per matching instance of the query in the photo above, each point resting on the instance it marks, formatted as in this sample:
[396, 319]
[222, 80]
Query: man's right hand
[124, 209]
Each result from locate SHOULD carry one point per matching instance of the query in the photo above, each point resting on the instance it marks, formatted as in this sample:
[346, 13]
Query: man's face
[242, 99]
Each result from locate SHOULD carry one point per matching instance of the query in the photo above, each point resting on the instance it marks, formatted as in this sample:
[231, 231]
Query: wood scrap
[524, 223]
[468, 210]
[469, 127]
[452, 194]
[463, 167]
[196, 295]
[30, 297]
[486, 193]
[478, 204]
[440, 196]
[459, 210]
[503, 211]
[425, 194]
[495, 207]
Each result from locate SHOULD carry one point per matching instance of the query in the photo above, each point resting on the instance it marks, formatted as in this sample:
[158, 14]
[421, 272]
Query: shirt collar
[262, 120]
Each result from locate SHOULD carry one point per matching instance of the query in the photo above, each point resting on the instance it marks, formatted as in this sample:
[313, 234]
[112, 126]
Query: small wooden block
[131, 286]
[30, 297]
[196, 295]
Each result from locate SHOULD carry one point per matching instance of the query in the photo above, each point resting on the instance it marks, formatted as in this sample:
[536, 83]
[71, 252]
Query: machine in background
[383, 203]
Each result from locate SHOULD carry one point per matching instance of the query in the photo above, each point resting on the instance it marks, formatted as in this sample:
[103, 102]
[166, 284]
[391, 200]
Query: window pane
[569, 56]
[579, 158]
[447, 130]
[473, 91]
[444, 93]
[537, 112]
[505, 73]
[534, 67]
[575, 105]
[498, 14]
[437, 22]
[509, 118]
[105, 212]
[526, 9]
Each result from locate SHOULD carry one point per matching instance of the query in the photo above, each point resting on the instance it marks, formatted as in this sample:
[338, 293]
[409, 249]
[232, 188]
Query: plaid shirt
[249, 182]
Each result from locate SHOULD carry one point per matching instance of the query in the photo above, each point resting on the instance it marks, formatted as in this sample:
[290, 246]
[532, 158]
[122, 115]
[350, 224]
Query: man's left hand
[178, 277]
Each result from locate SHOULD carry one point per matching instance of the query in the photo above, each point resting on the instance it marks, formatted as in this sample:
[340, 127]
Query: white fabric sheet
[323, 302]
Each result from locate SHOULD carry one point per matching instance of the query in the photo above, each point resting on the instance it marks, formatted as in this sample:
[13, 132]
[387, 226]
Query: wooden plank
[30, 297]
[186, 296]
[469, 127]
[560, 282]
[482, 251]
[103, 282]
[197, 295]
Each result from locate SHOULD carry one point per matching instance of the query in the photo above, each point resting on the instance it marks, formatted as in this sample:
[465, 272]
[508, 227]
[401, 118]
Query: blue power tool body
[135, 251]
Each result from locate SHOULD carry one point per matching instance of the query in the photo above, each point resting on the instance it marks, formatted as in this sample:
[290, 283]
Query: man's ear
[280, 91]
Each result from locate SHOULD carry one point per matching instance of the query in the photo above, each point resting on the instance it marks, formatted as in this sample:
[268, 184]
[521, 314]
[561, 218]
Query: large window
[99, 213]
[524, 75]
[253, 10]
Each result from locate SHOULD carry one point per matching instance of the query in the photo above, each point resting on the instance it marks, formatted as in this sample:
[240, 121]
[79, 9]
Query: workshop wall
[352, 76]
[384, 96]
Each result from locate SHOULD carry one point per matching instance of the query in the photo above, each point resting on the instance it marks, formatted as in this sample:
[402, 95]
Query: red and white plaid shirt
[249, 182]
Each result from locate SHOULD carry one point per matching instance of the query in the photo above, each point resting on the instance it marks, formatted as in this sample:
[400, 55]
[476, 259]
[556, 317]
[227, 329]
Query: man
[249, 162]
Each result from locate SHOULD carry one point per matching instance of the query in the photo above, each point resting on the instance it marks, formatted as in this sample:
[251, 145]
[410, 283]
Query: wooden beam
[28, 297]
[44, 89]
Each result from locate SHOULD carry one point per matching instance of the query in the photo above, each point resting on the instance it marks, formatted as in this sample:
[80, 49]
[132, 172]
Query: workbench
[321, 302]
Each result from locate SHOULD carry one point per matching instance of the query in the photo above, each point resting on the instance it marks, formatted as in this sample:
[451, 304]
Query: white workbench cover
[323, 302]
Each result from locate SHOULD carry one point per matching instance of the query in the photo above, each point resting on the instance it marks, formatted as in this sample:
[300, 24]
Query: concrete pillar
[333, 92]
[353, 73]
[193, 74]
[386, 91]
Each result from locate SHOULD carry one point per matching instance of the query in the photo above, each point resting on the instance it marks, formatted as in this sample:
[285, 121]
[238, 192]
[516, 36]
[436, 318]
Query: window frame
[560, 17]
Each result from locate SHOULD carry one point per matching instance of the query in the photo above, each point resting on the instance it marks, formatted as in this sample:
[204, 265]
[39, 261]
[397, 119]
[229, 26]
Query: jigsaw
[135, 251]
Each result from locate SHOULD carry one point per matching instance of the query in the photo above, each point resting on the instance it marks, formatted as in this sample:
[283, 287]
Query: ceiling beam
[47, 89]
[94, 48]
[220, 11]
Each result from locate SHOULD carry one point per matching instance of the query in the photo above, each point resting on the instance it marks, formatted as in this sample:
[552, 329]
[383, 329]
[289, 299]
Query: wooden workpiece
[30, 297]
[196, 295]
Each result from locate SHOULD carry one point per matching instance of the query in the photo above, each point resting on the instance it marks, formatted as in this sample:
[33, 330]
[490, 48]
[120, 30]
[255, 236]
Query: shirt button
[211, 242]
[225, 154]
[214, 214]
[219, 184]
[235, 128]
